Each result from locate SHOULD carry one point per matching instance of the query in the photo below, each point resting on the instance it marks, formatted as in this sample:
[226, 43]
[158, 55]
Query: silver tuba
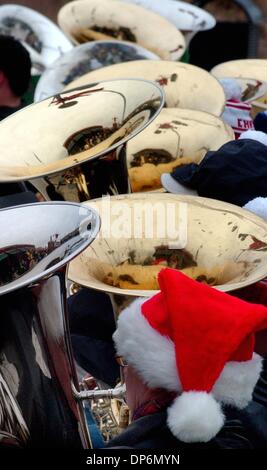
[72, 146]
[39, 389]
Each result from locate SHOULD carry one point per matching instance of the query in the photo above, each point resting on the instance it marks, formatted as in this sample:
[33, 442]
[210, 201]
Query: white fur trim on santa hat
[254, 135]
[153, 357]
[258, 206]
[145, 349]
[195, 417]
[237, 381]
[232, 88]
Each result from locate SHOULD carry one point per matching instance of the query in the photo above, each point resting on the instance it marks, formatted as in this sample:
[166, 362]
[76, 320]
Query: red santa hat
[197, 341]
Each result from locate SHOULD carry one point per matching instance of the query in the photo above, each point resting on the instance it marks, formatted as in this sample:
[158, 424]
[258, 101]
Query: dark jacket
[236, 173]
[242, 430]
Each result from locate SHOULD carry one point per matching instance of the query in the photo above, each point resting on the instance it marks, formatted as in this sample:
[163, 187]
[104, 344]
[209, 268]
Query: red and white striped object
[237, 115]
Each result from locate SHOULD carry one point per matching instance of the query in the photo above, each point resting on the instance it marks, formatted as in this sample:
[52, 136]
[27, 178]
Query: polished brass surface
[247, 71]
[214, 233]
[184, 85]
[84, 58]
[247, 68]
[72, 146]
[84, 20]
[252, 89]
[176, 137]
[188, 18]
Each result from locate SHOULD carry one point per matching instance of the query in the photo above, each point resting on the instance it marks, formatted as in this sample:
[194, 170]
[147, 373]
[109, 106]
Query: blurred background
[225, 11]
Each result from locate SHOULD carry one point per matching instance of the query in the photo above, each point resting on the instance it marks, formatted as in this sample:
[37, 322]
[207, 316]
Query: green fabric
[28, 98]
[186, 57]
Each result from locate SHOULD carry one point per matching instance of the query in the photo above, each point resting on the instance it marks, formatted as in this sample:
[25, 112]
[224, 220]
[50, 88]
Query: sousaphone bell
[188, 18]
[87, 20]
[246, 70]
[211, 241]
[72, 146]
[184, 85]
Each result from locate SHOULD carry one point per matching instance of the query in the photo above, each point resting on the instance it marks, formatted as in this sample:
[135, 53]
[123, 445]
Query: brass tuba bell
[212, 241]
[88, 20]
[72, 146]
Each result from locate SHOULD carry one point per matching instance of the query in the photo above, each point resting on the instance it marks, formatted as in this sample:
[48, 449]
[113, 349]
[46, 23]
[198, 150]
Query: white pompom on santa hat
[197, 341]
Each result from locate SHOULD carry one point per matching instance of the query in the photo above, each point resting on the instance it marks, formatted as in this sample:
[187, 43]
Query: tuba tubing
[37, 373]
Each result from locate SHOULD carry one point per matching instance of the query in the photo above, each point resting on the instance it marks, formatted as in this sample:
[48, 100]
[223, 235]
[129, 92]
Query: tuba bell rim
[51, 36]
[172, 131]
[88, 239]
[241, 68]
[160, 71]
[53, 75]
[141, 21]
[184, 20]
[201, 202]
[71, 161]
